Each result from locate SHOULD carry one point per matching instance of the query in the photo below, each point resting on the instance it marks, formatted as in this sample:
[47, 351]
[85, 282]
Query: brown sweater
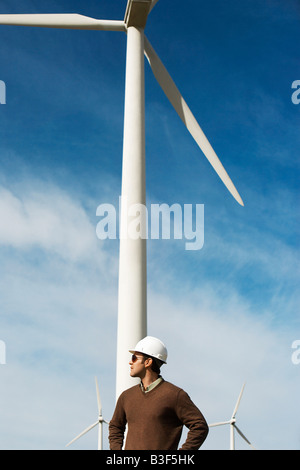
[155, 420]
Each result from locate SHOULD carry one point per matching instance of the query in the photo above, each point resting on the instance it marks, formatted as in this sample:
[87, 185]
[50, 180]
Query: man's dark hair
[156, 364]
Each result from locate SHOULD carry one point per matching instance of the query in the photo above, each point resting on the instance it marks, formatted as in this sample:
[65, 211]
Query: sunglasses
[135, 358]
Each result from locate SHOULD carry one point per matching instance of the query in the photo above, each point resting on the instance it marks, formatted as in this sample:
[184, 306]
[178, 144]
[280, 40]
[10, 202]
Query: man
[156, 410]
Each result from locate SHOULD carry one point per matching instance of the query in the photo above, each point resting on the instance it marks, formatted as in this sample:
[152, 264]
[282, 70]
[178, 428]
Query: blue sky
[228, 313]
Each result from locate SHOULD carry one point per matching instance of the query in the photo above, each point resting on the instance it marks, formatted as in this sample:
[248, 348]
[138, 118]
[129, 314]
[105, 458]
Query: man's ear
[148, 362]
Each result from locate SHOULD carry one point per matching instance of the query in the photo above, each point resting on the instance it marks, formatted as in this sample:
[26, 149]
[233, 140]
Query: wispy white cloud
[47, 219]
[58, 314]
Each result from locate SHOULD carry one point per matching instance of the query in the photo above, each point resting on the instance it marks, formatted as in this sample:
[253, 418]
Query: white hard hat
[152, 347]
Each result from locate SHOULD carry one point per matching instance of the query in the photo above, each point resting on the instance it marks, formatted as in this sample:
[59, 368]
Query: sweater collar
[151, 386]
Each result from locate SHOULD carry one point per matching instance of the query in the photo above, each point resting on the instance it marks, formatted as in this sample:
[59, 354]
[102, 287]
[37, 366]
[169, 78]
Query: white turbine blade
[98, 398]
[154, 2]
[82, 433]
[238, 402]
[68, 21]
[170, 89]
[219, 424]
[243, 436]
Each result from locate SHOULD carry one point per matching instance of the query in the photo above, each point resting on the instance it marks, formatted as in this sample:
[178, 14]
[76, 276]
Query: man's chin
[133, 375]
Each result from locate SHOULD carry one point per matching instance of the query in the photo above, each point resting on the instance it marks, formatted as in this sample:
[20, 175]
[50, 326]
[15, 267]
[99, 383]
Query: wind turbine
[98, 423]
[132, 295]
[232, 423]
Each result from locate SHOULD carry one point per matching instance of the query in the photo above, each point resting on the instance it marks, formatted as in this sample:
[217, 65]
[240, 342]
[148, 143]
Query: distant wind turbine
[98, 423]
[132, 297]
[232, 423]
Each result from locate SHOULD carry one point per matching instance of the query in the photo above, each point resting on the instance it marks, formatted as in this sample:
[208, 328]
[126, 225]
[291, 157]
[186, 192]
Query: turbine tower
[232, 423]
[132, 296]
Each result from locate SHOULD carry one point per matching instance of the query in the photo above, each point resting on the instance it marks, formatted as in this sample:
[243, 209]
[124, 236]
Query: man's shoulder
[130, 391]
[170, 387]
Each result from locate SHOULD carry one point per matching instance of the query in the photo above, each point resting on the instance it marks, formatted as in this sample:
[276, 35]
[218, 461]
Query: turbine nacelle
[137, 12]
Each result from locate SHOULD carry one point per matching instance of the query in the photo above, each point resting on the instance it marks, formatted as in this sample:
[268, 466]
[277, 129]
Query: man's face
[137, 365]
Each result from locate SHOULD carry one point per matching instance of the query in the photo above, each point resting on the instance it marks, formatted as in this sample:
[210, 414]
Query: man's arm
[194, 420]
[117, 427]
